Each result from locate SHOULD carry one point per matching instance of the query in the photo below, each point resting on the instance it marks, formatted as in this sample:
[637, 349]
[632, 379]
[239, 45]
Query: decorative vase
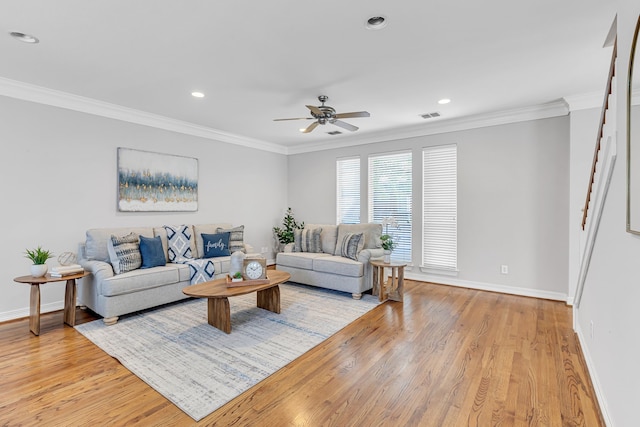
[237, 258]
[387, 256]
[39, 270]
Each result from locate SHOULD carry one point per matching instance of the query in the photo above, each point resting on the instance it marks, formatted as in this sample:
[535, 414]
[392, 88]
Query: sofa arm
[101, 270]
[366, 255]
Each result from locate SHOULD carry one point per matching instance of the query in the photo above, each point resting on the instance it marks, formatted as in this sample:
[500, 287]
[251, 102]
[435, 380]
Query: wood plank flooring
[446, 357]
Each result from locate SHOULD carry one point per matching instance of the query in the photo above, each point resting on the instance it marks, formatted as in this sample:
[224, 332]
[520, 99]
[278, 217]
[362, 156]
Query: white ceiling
[261, 60]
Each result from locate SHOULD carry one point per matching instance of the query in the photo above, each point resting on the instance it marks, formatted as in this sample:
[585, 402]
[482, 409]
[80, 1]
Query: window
[440, 208]
[348, 191]
[390, 197]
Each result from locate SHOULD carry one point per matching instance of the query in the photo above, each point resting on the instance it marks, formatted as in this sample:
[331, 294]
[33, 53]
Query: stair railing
[603, 117]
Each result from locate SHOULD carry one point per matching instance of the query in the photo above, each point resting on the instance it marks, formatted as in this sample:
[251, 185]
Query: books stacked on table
[66, 270]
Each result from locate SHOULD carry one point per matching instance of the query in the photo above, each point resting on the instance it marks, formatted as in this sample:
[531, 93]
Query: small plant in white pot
[39, 258]
[388, 245]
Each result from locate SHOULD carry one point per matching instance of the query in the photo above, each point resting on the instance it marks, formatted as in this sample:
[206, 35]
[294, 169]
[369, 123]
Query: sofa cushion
[351, 245]
[152, 252]
[371, 231]
[236, 241]
[199, 229]
[328, 236]
[302, 260]
[338, 265]
[216, 245]
[179, 240]
[137, 280]
[307, 240]
[124, 253]
[98, 238]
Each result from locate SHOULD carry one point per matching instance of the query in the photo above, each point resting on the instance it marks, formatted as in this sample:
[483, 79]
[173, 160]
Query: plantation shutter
[390, 187]
[348, 190]
[440, 208]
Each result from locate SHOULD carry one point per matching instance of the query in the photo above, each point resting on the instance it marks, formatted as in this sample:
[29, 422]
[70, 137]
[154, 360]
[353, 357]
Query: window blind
[390, 188]
[348, 190]
[440, 208]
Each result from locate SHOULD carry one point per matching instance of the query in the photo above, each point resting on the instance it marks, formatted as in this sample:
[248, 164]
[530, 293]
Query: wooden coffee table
[217, 294]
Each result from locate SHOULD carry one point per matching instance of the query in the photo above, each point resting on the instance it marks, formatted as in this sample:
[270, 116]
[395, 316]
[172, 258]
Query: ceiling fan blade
[311, 127]
[315, 110]
[354, 114]
[345, 125]
[297, 118]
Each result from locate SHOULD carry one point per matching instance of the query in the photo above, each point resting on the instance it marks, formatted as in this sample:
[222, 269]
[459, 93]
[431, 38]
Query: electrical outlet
[504, 269]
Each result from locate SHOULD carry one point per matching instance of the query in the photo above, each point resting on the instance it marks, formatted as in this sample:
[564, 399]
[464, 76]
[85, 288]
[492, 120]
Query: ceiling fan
[324, 114]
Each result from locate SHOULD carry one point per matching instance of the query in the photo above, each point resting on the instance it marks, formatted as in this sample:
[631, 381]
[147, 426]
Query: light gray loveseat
[328, 269]
[112, 295]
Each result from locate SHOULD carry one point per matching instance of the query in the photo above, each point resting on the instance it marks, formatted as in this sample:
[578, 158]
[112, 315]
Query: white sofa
[328, 269]
[112, 295]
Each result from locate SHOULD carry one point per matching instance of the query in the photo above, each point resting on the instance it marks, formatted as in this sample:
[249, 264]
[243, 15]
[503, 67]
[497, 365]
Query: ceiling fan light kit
[324, 114]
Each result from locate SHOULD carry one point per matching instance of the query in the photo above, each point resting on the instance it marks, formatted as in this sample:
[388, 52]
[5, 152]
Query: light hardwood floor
[446, 357]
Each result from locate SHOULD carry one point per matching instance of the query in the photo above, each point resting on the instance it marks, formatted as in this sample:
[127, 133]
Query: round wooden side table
[69, 298]
[393, 288]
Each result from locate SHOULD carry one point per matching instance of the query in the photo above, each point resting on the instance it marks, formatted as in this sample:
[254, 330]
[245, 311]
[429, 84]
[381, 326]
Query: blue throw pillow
[152, 252]
[216, 245]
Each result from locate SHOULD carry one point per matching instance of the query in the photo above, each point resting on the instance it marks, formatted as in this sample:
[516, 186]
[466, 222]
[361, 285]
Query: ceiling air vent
[430, 115]
[335, 132]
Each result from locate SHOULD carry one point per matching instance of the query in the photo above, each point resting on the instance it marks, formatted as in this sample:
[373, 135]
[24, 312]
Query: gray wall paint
[612, 290]
[513, 200]
[59, 176]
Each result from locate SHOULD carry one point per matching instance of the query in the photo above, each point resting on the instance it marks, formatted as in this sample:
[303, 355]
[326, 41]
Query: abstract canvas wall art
[156, 182]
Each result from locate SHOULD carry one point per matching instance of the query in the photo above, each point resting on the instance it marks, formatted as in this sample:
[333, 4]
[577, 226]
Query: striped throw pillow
[307, 240]
[351, 245]
[124, 253]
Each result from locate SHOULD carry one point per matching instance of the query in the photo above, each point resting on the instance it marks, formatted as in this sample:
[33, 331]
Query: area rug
[200, 368]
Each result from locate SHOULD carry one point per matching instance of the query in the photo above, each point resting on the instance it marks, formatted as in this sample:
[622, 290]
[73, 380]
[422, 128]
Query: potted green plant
[388, 245]
[285, 233]
[237, 277]
[39, 258]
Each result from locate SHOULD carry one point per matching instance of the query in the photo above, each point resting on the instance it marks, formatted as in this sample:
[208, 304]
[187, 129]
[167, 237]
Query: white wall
[59, 179]
[612, 288]
[513, 201]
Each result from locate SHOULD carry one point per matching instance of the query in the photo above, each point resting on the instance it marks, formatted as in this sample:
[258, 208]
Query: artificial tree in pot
[285, 234]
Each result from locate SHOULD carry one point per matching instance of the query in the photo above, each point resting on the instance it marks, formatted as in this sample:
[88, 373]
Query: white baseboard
[602, 402]
[513, 290]
[24, 312]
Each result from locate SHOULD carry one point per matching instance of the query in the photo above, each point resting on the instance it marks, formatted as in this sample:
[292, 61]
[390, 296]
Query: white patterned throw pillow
[124, 253]
[178, 242]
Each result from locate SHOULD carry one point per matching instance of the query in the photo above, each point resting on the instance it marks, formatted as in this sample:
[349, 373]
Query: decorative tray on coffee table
[245, 282]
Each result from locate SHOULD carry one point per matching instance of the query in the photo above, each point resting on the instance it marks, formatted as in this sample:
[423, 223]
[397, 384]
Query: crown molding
[543, 111]
[585, 101]
[56, 98]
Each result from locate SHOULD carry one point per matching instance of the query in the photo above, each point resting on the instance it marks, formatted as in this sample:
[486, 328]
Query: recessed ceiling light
[376, 22]
[444, 101]
[25, 38]
[197, 94]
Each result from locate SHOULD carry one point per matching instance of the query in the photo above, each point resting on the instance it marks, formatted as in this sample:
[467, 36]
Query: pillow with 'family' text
[216, 245]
